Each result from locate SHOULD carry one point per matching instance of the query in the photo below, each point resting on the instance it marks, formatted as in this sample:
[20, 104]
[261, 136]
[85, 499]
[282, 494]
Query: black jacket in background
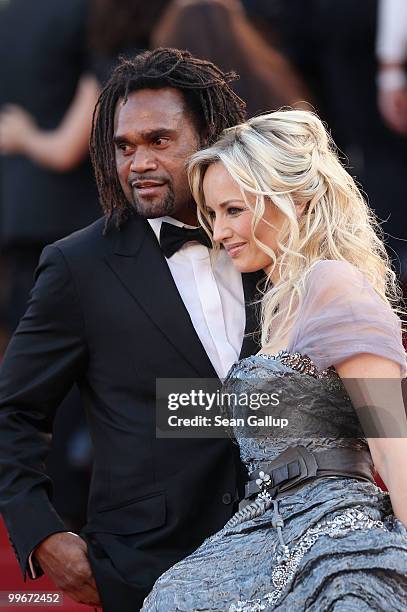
[42, 57]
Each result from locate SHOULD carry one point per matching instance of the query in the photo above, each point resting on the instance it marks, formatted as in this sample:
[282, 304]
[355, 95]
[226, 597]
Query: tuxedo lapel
[143, 270]
[251, 339]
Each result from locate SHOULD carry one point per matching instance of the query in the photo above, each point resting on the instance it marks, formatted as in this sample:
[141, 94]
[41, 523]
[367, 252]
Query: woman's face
[232, 221]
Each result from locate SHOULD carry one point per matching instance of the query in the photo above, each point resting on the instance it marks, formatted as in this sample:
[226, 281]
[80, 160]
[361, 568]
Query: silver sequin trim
[284, 571]
[299, 362]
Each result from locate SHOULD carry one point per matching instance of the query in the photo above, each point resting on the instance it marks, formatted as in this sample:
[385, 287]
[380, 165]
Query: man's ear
[204, 139]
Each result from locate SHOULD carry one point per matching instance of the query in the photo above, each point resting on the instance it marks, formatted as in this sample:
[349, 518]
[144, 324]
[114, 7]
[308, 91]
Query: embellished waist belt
[297, 465]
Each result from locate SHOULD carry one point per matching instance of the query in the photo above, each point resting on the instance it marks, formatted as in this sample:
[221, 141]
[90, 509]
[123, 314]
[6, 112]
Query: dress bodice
[315, 403]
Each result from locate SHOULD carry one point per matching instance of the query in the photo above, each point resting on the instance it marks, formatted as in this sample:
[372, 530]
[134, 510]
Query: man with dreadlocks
[130, 299]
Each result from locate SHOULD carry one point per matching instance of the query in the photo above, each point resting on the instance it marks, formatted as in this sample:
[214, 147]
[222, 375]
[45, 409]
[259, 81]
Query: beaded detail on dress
[301, 363]
[284, 569]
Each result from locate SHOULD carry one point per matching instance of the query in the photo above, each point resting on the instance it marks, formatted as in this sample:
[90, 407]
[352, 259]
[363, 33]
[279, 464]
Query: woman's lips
[234, 250]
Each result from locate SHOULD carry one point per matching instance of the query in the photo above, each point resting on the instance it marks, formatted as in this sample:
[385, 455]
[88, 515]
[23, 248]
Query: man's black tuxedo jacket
[105, 313]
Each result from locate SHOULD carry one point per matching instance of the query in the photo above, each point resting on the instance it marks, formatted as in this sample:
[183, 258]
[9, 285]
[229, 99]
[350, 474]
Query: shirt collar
[155, 224]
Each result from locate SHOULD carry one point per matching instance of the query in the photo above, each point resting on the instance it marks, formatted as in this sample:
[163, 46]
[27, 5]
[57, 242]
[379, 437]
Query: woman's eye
[211, 214]
[234, 211]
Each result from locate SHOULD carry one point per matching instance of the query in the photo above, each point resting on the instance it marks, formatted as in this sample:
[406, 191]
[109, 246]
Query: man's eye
[161, 141]
[122, 146]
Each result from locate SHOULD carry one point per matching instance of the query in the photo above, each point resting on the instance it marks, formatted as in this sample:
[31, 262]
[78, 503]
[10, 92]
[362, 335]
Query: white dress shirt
[212, 291]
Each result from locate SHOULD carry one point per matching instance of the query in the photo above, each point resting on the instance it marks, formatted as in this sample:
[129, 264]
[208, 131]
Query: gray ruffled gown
[340, 547]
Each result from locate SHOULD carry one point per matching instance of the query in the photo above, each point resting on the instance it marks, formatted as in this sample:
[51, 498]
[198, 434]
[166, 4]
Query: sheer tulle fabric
[342, 315]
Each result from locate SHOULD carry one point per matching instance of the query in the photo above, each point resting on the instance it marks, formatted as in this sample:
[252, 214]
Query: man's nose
[142, 161]
[221, 231]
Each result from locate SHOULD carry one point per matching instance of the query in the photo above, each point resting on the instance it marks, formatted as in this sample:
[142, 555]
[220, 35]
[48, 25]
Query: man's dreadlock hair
[208, 97]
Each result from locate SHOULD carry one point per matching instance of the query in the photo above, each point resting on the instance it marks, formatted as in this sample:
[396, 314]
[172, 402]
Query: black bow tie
[173, 237]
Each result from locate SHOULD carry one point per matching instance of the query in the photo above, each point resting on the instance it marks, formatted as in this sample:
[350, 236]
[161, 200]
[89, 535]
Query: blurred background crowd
[344, 59]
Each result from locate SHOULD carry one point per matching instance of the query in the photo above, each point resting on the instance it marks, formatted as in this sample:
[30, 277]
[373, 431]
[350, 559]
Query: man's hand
[63, 557]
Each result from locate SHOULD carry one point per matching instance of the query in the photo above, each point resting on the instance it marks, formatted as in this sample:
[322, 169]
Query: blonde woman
[316, 533]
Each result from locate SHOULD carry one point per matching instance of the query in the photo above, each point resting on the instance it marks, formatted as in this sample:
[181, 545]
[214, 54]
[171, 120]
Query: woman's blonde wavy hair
[288, 158]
